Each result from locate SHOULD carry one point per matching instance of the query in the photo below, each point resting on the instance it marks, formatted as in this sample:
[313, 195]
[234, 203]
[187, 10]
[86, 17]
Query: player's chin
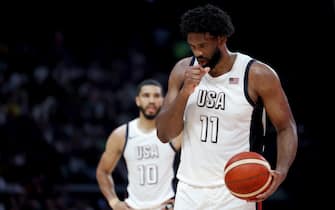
[151, 116]
[151, 112]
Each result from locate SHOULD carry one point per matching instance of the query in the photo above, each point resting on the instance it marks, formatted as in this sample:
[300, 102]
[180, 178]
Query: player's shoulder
[262, 77]
[120, 129]
[180, 67]
[119, 133]
[259, 69]
[182, 63]
[116, 139]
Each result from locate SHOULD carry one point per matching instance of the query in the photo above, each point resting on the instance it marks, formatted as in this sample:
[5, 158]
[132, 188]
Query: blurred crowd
[63, 90]
[57, 108]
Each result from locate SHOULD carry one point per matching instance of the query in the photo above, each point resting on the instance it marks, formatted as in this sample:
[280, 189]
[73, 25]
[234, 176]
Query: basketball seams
[246, 161]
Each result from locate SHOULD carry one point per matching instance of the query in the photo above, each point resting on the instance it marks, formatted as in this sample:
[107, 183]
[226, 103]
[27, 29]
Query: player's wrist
[112, 202]
[185, 92]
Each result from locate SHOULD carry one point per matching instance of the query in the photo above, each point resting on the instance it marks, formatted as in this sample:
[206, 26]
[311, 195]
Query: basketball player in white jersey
[216, 98]
[149, 161]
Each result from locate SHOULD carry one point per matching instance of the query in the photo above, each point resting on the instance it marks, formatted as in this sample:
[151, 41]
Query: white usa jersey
[150, 168]
[219, 121]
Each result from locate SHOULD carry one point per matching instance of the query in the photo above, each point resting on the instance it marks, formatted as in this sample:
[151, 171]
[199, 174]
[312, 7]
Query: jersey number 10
[148, 174]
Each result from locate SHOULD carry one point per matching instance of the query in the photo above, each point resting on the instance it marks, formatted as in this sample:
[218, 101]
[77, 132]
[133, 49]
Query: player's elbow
[98, 172]
[163, 138]
[161, 132]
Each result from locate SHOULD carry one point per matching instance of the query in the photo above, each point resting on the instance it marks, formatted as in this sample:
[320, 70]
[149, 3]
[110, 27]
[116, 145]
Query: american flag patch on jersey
[233, 80]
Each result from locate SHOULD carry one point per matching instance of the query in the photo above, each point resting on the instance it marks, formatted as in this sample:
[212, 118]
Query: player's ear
[137, 101]
[222, 40]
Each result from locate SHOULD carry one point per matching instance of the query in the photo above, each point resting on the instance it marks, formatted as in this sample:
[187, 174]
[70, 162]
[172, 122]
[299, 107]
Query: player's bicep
[108, 162]
[274, 98]
[174, 85]
[113, 150]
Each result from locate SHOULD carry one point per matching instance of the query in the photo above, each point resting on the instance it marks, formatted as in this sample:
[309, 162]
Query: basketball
[247, 174]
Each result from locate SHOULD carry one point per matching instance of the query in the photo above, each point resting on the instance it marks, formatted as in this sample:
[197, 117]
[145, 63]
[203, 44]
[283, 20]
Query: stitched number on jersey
[209, 128]
[148, 174]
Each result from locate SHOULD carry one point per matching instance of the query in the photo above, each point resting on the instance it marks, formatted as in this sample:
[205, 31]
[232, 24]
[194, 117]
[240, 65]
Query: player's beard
[214, 60]
[149, 116]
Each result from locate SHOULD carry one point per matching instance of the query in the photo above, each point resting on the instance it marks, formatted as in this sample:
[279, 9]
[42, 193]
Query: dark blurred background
[71, 74]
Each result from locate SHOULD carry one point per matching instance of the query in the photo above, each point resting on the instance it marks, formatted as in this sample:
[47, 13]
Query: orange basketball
[247, 174]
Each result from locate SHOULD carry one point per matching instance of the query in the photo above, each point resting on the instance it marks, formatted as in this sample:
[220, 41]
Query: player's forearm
[170, 122]
[106, 185]
[287, 148]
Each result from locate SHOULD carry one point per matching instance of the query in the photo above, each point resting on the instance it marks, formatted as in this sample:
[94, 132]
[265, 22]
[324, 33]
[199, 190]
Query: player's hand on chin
[193, 76]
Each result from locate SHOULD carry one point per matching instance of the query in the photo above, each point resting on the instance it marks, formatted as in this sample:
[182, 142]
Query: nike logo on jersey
[131, 137]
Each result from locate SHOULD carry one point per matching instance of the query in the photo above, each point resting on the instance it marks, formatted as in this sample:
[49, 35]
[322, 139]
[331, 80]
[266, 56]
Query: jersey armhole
[192, 61]
[171, 145]
[190, 64]
[246, 81]
[126, 137]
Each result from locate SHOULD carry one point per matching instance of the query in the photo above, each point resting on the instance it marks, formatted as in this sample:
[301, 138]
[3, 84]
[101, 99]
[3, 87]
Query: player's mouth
[202, 61]
[151, 109]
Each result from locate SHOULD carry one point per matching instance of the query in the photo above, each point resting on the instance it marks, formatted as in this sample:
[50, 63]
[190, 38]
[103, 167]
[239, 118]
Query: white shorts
[165, 205]
[208, 198]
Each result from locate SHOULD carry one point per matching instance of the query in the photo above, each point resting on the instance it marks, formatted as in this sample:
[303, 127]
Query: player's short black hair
[208, 18]
[148, 82]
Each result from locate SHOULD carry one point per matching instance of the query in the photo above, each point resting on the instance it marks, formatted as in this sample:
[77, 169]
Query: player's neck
[146, 125]
[225, 64]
